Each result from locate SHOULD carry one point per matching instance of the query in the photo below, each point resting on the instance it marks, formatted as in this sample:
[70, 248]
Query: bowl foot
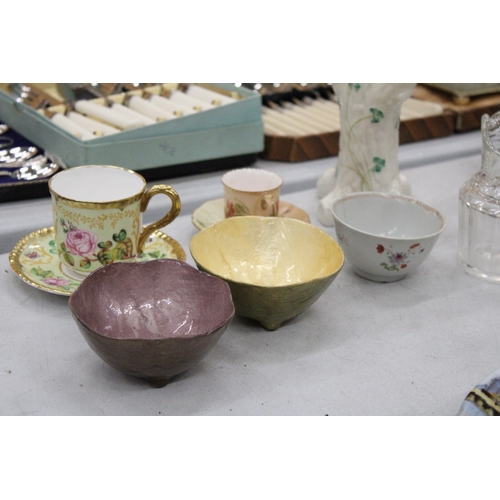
[271, 326]
[378, 278]
[158, 382]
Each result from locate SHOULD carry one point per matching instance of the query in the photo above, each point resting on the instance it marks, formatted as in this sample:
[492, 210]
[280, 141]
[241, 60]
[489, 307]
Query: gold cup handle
[174, 211]
[267, 200]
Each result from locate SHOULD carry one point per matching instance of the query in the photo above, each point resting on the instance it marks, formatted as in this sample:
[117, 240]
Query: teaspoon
[32, 172]
[19, 153]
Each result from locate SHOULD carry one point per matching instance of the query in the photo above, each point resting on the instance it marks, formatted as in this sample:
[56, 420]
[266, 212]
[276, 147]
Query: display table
[413, 347]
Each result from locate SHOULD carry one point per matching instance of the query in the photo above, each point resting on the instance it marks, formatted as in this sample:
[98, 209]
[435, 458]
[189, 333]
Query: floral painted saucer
[484, 399]
[213, 211]
[34, 259]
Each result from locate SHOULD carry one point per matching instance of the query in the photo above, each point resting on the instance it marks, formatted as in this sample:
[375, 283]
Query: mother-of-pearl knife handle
[209, 95]
[73, 128]
[97, 128]
[147, 108]
[176, 108]
[108, 115]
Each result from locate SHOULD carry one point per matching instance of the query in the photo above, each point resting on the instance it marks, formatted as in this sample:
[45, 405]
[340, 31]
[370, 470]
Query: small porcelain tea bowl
[384, 236]
[152, 320]
[276, 267]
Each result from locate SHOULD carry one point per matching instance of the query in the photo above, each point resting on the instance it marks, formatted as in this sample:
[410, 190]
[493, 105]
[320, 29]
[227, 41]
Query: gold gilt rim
[176, 246]
[261, 191]
[120, 204]
[15, 254]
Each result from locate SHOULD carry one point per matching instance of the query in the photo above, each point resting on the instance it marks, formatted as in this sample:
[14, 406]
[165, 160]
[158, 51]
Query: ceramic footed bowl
[385, 237]
[152, 320]
[276, 267]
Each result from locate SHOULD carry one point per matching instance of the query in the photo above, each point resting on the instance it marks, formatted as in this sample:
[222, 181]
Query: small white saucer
[213, 211]
[34, 259]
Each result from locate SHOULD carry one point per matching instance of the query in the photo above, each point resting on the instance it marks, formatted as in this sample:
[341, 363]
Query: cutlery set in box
[184, 128]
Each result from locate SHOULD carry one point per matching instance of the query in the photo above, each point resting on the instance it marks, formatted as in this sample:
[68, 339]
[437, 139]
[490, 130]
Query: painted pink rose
[79, 242]
[56, 281]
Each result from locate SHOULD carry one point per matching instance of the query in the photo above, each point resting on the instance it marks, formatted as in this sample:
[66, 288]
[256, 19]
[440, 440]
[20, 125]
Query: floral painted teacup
[98, 215]
[251, 191]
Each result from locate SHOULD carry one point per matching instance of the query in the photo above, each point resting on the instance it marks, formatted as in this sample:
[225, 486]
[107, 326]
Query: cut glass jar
[479, 212]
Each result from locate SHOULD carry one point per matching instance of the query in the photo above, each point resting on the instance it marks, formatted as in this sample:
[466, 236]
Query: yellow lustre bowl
[275, 267]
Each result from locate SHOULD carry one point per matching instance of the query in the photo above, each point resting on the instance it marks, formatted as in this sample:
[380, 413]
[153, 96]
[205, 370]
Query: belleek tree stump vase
[369, 141]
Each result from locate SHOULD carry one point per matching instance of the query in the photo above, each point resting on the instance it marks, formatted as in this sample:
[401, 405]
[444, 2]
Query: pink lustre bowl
[152, 320]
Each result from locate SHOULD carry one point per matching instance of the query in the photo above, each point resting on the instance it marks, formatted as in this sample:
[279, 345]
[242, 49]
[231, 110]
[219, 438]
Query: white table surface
[413, 347]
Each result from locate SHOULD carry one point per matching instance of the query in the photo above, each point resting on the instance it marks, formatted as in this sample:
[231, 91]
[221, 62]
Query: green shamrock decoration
[379, 164]
[377, 115]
